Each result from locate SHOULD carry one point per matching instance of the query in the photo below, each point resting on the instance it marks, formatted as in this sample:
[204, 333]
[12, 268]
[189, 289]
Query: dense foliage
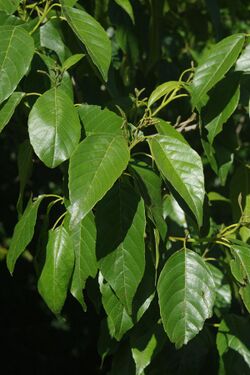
[125, 185]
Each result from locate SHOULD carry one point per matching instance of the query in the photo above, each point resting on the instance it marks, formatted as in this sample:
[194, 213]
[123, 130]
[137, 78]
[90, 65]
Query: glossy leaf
[93, 36]
[215, 65]
[94, 167]
[233, 336]
[126, 5]
[72, 60]
[119, 322]
[240, 189]
[99, 121]
[84, 243]
[54, 127]
[23, 233]
[9, 6]
[17, 49]
[182, 167]
[7, 109]
[243, 62]
[121, 224]
[186, 295]
[162, 90]
[57, 270]
[221, 105]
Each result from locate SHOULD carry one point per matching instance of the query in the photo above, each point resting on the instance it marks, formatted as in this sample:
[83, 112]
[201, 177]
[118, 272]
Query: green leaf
[93, 36]
[51, 38]
[150, 184]
[25, 163]
[233, 337]
[72, 60]
[182, 167]
[221, 105]
[7, 108]
[146, 341]
[120, 220]
[17, 49]
[119, 322]
[23, 233]
[9, 6]
[165, 128]
[220, 159]
[240, 189]
[84, 243]
[99, 121]
[243, 62]
[162, 90]
[125, 5]
[57, 270]
[215, 65]
[186, 295]
[54, 127]
[240, 267]
[94, 167]
[223, 291]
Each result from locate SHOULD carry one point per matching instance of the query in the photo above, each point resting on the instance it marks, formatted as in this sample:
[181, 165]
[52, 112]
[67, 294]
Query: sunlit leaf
[94, 167]
[93, 36]
[186, 296]
[182, 167]
[17, 49]
[54, 127]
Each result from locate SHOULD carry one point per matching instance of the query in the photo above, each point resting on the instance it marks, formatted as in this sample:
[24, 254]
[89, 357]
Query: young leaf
[125, 5]
[72, 60]
[99, 121]
[84, 243]
[7, 109]
[243, 62]
[93, 36]
[221, 105]
[162, 90]
[215, 65]
[54, 127]
[182, 167]
[233, 336]
[186, 296]
[57, 270]
[23, 233]
[119, 322]
[120, 220]
[9, 6]
[17, 49]
[94, 167]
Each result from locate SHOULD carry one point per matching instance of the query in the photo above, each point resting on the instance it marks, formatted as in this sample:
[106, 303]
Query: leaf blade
[93, 36]
[51, 137]
[182, 167]
[185, 303]
[17, 49]
[94, 167]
